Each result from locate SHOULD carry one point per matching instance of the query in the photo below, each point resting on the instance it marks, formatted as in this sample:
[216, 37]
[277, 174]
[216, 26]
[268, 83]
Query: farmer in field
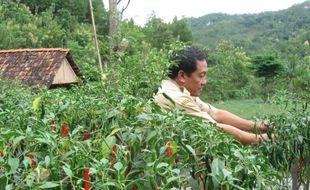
[182, 90]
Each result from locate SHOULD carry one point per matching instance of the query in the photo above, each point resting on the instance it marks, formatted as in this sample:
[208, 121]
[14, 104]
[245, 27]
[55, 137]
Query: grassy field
[249, 108]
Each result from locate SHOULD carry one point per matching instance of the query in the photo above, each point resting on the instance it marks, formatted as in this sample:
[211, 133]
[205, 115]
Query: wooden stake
[96, 40]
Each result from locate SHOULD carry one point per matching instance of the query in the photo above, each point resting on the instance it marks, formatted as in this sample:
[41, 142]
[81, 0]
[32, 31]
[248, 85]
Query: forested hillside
[254, 32]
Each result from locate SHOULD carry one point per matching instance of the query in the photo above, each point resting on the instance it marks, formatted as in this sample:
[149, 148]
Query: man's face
[197, 80]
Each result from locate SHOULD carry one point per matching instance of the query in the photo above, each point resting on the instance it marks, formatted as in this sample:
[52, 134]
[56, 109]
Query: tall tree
[267, 67]
[157, 32]
[228, 72]
[114, 21]
[181, 29]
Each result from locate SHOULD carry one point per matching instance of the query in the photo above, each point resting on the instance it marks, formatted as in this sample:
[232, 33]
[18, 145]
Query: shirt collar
[172, 85]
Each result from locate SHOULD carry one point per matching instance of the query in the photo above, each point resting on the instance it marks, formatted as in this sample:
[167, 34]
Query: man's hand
[262, 126]
[262, 138]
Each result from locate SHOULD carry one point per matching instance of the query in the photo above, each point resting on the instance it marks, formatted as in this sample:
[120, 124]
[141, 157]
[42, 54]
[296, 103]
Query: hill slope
[254, 32]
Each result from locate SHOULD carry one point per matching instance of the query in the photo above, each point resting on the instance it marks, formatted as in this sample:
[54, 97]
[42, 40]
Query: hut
[51, 67]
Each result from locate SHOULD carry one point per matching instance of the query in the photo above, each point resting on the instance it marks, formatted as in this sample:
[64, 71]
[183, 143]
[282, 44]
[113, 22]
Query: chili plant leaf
[48, 185]
[107, 145]
[109, 183]
[18, 139]
[162, 164]
[35, 103]
[3, 182]
[192, 151]
[114, 131]
[68, 171]
[118, 166]
[47, 161]
[13, 163]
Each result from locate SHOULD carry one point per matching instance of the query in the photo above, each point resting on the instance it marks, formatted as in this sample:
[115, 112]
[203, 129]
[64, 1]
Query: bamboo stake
[96, 40]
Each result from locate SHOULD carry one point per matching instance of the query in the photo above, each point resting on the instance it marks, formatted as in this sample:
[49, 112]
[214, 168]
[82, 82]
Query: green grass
[250, 108]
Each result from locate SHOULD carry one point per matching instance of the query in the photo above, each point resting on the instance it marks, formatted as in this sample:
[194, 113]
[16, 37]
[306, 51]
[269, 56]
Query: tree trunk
[113, 23]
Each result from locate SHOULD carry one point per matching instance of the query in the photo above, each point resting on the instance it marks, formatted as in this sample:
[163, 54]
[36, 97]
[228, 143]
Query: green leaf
[27, 162]
[238, 168]
[13, 163]
[76, 130]
[217, 166]
[107, 144]
[144, 117]
[17, 140]
[3, 182]
[47, 161]
[176, 171]
[227, 174]
[191, 150]
[48, 185]
[118, 166]
[67, 171]
[173, 178]
[35, 104]
[151, 135]
[109, 184]
[193, 183]
[162, 164]
[9, 187]
[114, 131]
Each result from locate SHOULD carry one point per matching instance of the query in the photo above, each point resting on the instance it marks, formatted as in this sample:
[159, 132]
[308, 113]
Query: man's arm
[225, 117]
[243, 136]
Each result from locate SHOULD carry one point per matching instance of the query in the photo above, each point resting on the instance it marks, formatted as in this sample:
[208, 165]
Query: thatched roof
[35, 66]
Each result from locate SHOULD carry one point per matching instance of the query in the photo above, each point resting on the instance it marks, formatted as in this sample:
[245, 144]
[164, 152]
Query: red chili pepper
[86, 179]
[114, 150]
[86, 135]
[299, 167]
[33, 163]
[168, 150]
[301, 161]
[169, 154]
[134, 187]
[64, 131]
[126, 171]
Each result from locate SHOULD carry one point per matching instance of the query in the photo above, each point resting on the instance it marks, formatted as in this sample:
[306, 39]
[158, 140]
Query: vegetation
[253, 32]
[108, 133]
[251, 109]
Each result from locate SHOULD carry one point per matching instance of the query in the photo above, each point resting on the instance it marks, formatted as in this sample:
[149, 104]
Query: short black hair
[185, 60]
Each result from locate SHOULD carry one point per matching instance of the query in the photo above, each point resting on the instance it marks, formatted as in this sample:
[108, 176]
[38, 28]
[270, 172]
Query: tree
[21, 29]
[114, 21]
[181, 29]
[268, 67]
[228, 72]
[157, 32]
[294, 52]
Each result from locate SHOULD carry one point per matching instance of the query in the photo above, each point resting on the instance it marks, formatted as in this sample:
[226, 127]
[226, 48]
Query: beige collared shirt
[170, 95]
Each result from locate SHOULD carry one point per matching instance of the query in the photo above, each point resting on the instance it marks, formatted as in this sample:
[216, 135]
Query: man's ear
[181, 77]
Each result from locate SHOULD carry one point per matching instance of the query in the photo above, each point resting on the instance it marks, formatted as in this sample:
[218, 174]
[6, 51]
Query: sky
[140, 10]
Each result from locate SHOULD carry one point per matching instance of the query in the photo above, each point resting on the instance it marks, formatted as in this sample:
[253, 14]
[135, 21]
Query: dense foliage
[49, 138]
[109, 134]
[254, 32]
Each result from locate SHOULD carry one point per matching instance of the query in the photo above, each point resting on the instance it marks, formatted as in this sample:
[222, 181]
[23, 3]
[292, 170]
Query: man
[181, 91]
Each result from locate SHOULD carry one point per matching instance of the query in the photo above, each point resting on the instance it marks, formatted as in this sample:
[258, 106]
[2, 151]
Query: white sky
[140, 10]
